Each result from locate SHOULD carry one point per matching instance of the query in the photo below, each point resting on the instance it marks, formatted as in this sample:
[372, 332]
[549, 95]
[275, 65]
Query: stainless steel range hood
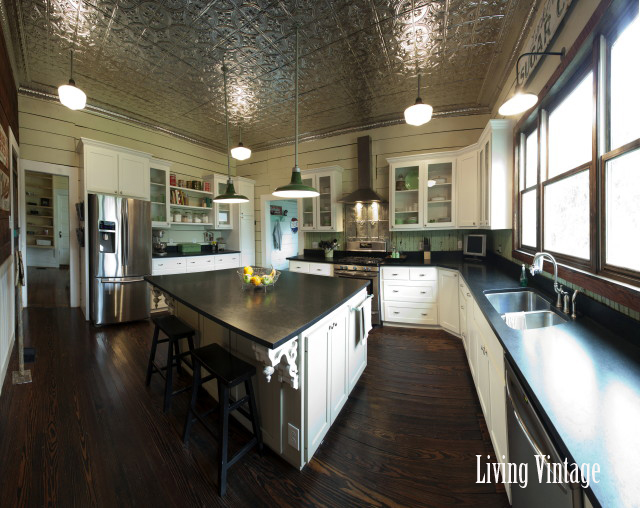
[365, 192]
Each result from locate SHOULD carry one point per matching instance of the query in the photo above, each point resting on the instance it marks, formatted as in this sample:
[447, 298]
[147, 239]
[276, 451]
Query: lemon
[256, 281]
[248, 270]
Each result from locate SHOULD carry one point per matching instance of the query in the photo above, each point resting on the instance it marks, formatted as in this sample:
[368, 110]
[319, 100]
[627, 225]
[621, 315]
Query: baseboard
[7, 360]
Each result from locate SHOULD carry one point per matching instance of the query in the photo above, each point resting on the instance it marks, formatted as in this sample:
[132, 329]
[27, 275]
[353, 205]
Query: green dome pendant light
[229, 195]
[295, 188]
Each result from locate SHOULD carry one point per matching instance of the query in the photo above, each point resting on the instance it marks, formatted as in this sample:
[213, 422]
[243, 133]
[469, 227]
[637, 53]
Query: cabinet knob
[424, 314]
[461, 307]
[423, 292]
[422, 275]
[395, 291]
[396, 312]
[460, 285]
[468, 294]
[394, 274]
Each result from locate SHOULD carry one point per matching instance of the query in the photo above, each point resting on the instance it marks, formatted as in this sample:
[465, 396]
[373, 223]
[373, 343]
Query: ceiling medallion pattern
[160, 62]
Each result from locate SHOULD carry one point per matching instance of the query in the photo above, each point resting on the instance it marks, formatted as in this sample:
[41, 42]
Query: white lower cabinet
[448, 310]
[325, 269]
[335, 357]
[189, 264]
[410, 295]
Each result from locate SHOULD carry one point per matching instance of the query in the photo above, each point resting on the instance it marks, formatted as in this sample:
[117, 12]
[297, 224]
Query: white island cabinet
[302, 385]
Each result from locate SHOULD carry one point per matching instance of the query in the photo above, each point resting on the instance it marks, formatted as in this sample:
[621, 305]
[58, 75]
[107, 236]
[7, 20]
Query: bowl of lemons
[256, 277]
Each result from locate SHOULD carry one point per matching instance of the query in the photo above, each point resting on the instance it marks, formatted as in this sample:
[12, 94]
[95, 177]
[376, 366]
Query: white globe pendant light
[240, 152]
[70, 95]
[419, 113]
[229, 196]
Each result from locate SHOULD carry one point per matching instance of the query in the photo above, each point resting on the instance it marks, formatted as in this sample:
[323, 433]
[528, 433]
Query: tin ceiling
[159, 62]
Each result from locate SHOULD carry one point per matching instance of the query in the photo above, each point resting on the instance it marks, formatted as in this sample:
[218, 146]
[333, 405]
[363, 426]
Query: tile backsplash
[500, 243]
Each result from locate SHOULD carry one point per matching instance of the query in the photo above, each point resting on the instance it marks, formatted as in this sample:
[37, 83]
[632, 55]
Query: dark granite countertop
[295, 303]
[176, 254]
[583, 377]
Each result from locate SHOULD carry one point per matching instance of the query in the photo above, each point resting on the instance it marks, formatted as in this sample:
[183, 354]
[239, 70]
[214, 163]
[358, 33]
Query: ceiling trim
[112, 115]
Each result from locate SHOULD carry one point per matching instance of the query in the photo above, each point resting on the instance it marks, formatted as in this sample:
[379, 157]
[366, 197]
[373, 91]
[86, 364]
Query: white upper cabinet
[406, 209]
[102, 170]
[422, 191]
[467, 188]
[468, 195]
[495, 163]
[322, 213]
[111, 169]
[222, 218]
[133, 175]
[439, 185]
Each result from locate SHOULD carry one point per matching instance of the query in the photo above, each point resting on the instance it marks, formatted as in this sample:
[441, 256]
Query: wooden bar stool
[230, 371]
[175, 329]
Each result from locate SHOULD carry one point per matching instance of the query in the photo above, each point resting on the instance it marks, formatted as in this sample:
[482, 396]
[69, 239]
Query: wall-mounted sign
[276, 210]
[553, 13]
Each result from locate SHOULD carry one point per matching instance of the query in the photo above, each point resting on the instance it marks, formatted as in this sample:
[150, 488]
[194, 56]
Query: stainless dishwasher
[528, 438]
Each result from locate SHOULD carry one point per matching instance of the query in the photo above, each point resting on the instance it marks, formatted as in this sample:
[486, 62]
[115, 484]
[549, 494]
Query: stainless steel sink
[541, 319]
[516, 301]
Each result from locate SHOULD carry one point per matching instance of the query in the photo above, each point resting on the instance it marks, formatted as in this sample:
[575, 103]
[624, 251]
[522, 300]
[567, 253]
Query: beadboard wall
[49, 132]
[500, 243]
[271, 168]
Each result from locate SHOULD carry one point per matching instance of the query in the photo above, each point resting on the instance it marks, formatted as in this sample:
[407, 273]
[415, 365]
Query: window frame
[522, 166]
[591, 52]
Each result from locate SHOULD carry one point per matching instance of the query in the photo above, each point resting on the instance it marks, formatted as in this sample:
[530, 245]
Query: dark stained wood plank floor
[48, 287]
[87, 432]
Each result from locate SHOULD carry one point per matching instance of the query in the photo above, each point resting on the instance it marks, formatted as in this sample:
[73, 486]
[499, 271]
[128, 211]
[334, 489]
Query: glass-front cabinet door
[308, 206]
[159, 191]
[406, 210]
[438, 186]
[484, 168]
[222, 210]
[326, 216]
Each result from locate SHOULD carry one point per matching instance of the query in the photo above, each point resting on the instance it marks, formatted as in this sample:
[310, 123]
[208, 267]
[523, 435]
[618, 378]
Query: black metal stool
[175, 329]
[230, 371]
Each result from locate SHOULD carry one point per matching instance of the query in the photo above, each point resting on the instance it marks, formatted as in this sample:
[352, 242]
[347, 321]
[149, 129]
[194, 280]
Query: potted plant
[328, 247]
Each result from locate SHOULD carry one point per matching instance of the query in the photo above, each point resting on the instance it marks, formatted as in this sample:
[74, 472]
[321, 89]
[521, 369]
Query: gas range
[364, 267]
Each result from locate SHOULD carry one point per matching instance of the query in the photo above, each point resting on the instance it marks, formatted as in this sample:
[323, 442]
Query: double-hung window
[578, 159]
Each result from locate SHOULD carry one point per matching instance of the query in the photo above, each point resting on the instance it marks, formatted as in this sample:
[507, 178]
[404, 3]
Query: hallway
[48, 287]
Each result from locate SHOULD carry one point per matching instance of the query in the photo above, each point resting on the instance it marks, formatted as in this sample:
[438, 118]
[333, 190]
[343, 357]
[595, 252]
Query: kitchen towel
[515, 320]
[277, 236]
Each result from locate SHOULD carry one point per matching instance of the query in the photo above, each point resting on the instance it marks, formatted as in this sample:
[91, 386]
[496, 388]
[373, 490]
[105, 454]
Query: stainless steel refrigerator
[120, 257]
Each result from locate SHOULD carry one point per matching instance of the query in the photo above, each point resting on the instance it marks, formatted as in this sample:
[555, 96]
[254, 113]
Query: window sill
[622, 293]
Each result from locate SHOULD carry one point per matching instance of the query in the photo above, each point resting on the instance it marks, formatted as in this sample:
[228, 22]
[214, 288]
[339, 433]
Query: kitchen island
[306, 336]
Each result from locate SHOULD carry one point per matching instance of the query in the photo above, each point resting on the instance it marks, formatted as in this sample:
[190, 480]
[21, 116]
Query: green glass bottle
[523, 276]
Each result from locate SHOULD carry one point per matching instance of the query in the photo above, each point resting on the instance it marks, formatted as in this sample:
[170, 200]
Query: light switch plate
[294, 436]
[459, 244]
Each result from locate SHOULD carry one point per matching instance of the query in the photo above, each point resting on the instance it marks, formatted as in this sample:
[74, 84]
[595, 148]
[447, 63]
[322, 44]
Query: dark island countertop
[583, 375]
[176, 254]
[295, 303]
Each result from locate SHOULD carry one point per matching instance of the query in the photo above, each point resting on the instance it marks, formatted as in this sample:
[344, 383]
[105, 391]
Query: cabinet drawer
[402, 292]
[200, 264]
[174, 265]
[395, 273]
[423, 273]
[227, 261]
[299, 266]
[325, 269]
[426, 314]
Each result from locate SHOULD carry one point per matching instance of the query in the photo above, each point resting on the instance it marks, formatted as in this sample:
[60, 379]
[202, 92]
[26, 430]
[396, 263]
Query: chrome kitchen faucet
[536, 267]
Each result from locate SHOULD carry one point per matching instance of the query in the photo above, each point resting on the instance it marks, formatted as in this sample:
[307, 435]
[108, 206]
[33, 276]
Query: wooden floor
[87, 432]
[48, 287]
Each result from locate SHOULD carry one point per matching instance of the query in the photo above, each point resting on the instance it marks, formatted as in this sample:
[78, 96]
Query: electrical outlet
[294, 436]
[459, 244]
[499, 249]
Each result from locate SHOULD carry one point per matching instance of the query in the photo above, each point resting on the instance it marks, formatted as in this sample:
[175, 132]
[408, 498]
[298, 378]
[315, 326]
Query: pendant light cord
[226, 117]
[418, 85]
[296, 109]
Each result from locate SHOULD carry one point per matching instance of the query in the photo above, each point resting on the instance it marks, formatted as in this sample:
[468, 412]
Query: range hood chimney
[365, 192]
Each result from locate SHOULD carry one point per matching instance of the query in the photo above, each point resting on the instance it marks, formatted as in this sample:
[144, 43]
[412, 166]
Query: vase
[328, 253]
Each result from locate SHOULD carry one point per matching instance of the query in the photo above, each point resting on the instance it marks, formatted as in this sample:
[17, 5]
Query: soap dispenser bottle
[523, 276]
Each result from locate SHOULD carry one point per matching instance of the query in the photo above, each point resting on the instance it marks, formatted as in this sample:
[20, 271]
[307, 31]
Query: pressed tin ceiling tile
[160, 62]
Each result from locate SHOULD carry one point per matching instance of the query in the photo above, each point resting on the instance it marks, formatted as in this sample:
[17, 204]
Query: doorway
[47, 239]
[280, 236]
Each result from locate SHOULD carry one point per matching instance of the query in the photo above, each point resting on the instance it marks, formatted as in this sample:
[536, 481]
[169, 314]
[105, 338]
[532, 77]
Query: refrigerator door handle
[124, 230]
[120, 280]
